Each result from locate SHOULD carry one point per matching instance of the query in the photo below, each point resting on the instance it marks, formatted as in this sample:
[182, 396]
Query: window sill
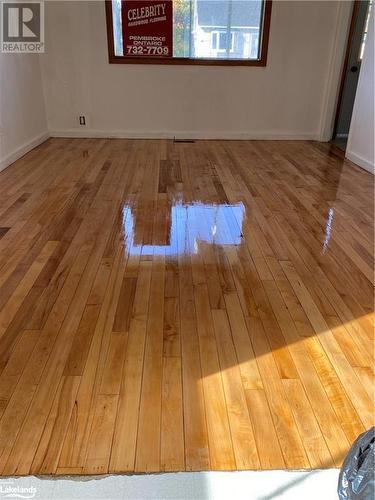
[186, 61]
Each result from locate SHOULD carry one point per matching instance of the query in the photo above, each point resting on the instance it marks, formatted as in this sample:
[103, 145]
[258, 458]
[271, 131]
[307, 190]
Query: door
[352, 66]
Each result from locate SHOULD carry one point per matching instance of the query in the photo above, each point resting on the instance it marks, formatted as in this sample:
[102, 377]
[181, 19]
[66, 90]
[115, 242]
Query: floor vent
[183, 140]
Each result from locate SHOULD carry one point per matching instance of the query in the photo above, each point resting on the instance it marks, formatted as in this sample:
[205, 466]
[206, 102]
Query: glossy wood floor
[172, 307]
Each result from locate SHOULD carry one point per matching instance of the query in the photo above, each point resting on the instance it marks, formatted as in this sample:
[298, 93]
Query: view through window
[208, 29]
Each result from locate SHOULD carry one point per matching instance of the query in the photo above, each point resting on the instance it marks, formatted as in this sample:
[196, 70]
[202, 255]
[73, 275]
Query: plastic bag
[357, 475]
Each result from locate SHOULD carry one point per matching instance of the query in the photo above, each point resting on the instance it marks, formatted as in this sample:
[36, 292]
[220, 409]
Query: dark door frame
[353, 21]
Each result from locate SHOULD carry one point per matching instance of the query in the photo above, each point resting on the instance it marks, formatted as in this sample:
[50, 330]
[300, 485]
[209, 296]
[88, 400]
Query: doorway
[352, 66]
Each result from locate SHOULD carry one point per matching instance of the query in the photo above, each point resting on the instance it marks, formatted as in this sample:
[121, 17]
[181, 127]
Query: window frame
[261, 61]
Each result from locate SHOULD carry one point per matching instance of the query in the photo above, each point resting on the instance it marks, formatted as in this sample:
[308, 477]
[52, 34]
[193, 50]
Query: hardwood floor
[171, 307]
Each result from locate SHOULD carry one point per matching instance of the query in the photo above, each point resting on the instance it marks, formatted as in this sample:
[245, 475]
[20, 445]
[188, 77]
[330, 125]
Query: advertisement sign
[22, 27]
[147, 27]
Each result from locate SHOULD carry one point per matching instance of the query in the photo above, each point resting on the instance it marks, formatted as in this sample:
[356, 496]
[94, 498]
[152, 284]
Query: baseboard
[361, 162]
[22, 150]
[219, 135]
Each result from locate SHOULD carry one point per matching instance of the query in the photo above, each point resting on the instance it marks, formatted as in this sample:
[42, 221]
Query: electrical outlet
[82, 120]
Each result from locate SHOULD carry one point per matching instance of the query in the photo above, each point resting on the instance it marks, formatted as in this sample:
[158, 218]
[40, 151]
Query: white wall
[360, 147]
[22, 112]
[287, 99]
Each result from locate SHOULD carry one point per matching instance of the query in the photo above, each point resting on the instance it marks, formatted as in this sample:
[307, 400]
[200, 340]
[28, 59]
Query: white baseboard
[219, 135]
[361, 162]
[22, 150]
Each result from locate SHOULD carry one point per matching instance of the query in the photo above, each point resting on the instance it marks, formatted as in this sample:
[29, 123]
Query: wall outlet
[82, 120]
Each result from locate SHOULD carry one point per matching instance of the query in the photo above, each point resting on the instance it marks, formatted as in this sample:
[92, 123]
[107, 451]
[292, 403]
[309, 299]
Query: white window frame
[217, 33]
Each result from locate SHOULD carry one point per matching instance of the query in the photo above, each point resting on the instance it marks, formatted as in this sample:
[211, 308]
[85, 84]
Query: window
[201, 31]
[220, 41]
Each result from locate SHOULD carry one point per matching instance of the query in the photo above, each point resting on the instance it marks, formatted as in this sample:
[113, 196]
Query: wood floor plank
[100, 441]
[48, 453]
[16, 364]
[19, 461]
[125, 437]
[16, 410]
[195, 424]
[112, 372]
[77, 438]
[266, 438]
[174, 306]
[320, 406]
[334, 353]
[11, 307]
[282, 416]
[148, 442]
[172, 453]
[313, 441]
[244, 446]
[219, 435]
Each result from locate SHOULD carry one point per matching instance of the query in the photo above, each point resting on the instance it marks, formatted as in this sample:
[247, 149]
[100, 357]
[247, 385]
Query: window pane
[208, 29]
[225, 29]
[182, 15]
[117, 27]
